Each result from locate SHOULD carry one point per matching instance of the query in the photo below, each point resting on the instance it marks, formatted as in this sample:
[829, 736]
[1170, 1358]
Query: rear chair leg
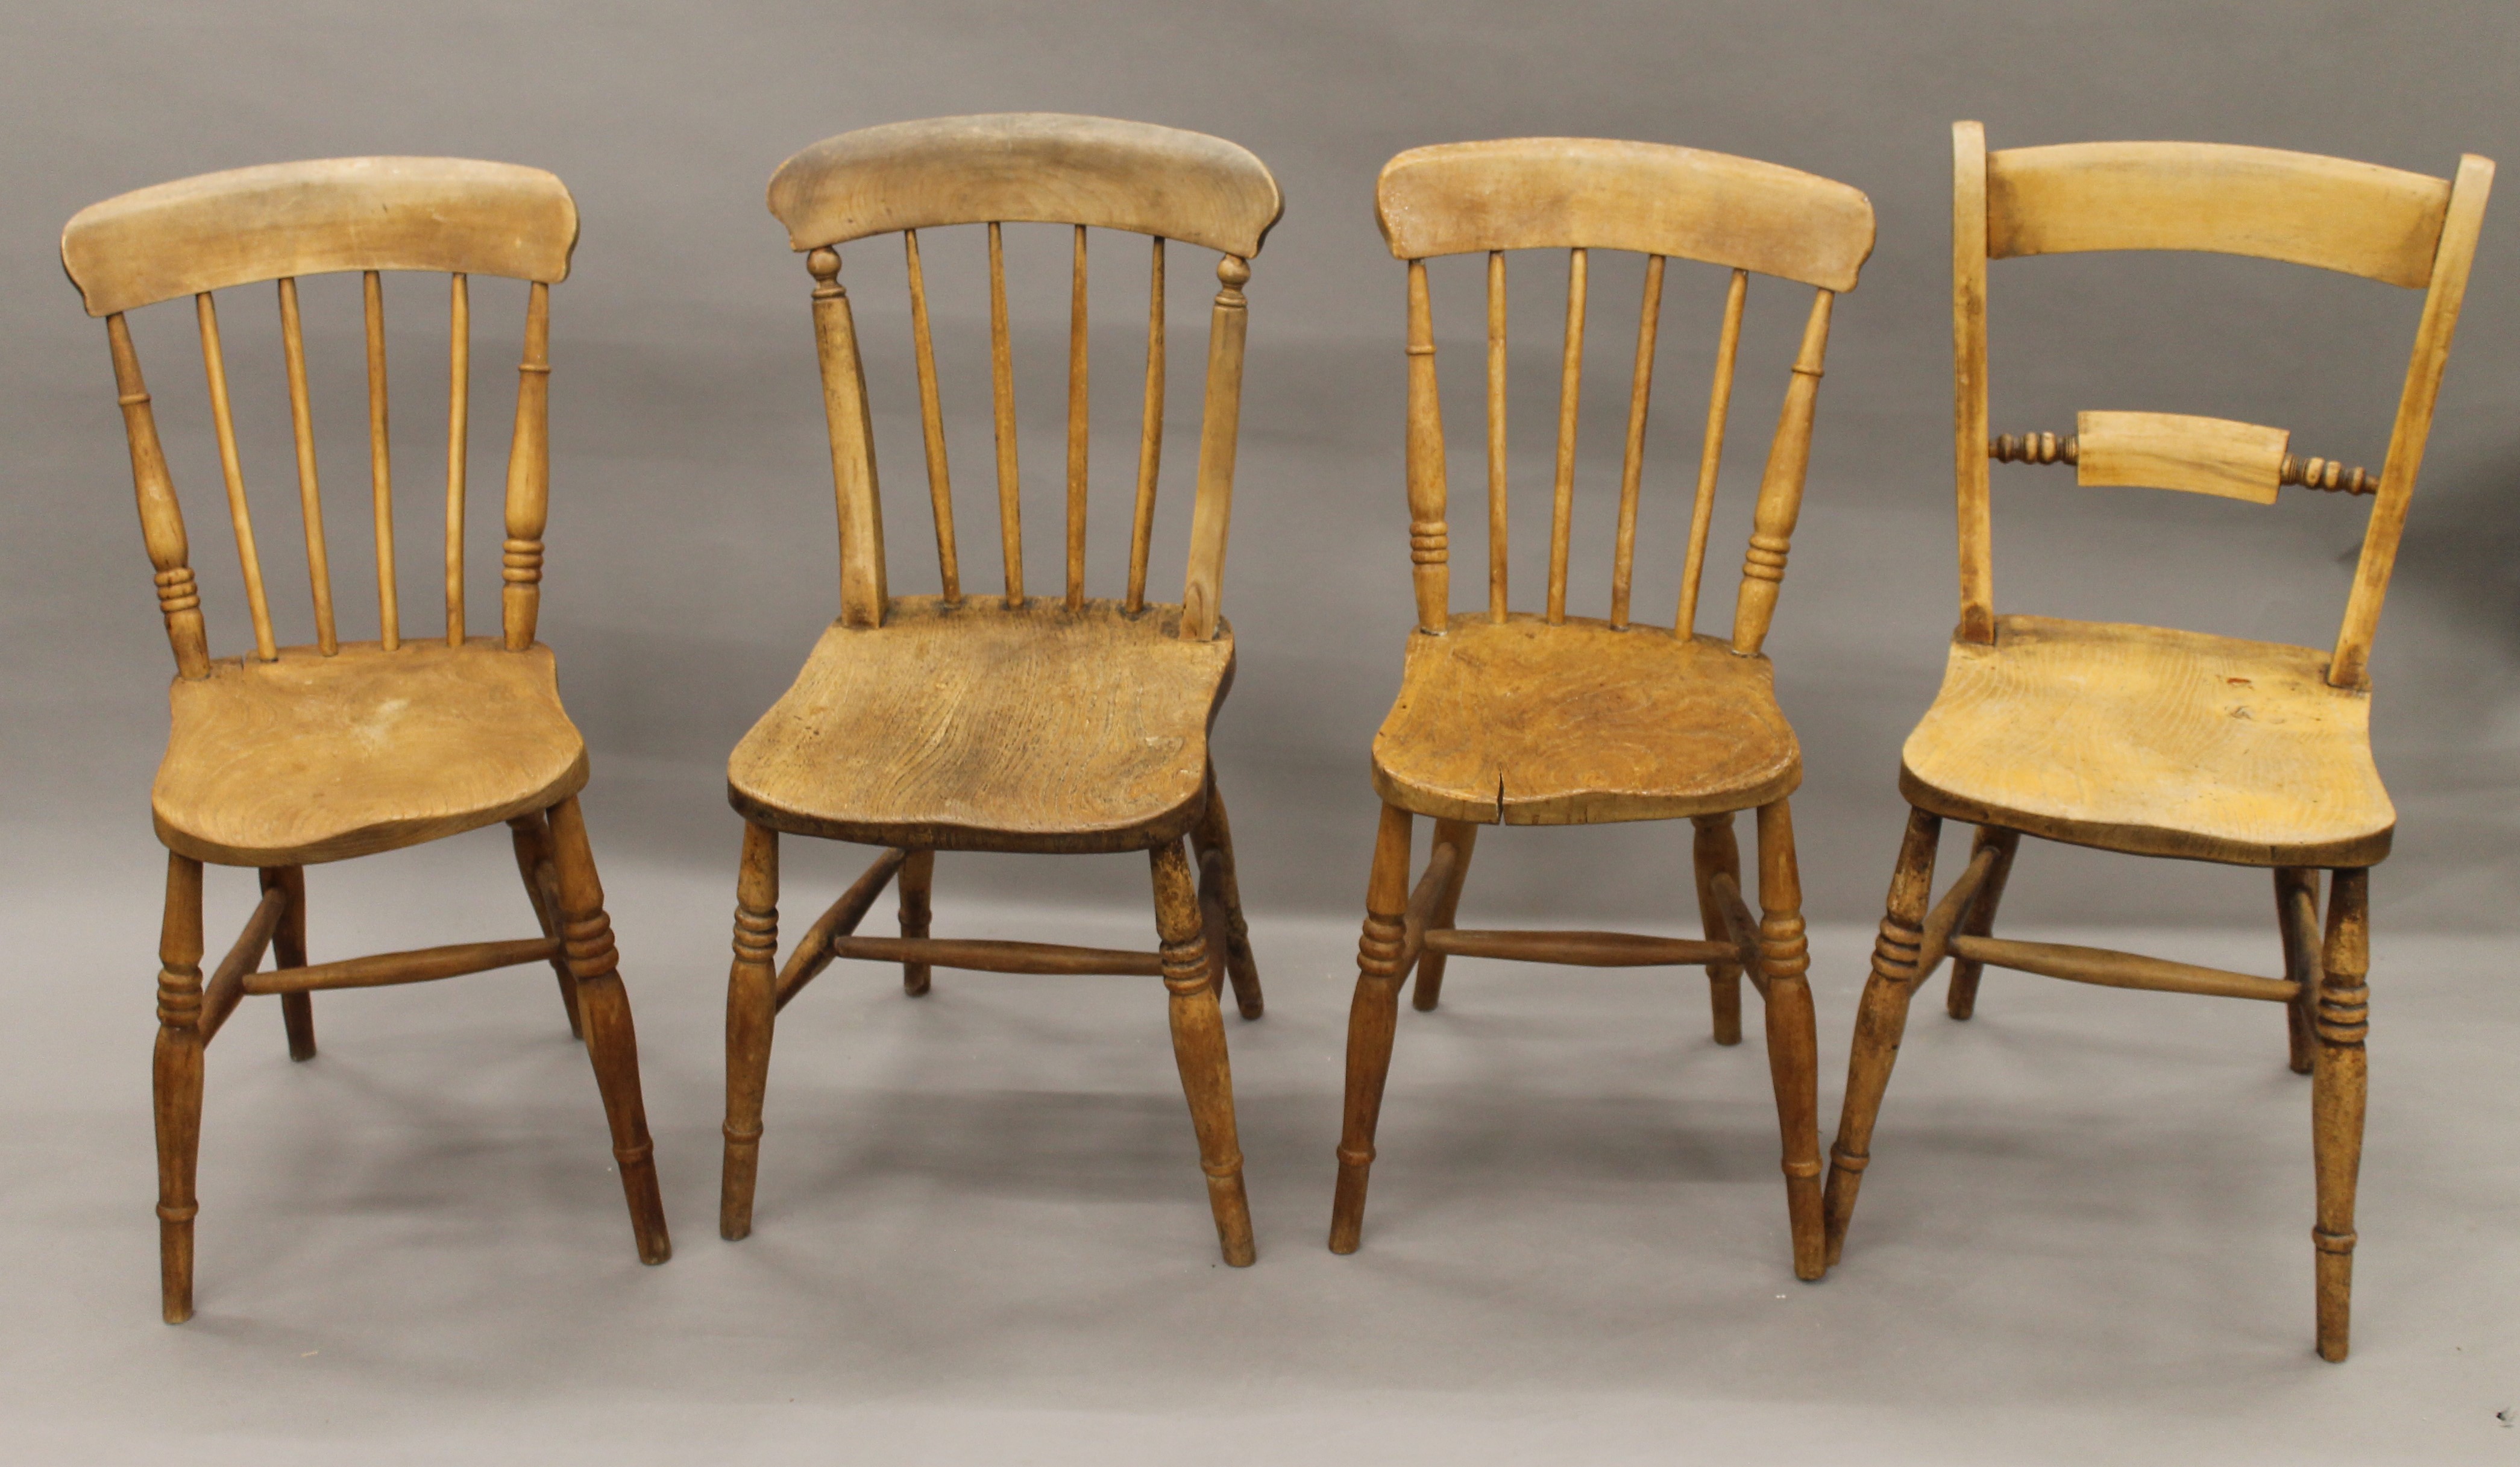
[1880, 1020]
[610, 1042]
[2336, 1097]
[289, 951]
[2292, 884]
[1793, 1042]
[1371, 1017]
[1199, 1047]
[751, 1016]
[1463, 837]
[1716, 853]
[1211, 839]
[918, 873]
[176, 1082]
[531, 836]
[1960, 1000]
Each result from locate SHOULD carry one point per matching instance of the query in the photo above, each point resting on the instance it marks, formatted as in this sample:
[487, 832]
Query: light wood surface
[1603, 193]
[1043, 167]
[2145, 740]
[1551, 718]
[279, 220]
[1535, 725]
[2174, 451]
[1051, 724]
[2154, 743]
[311, 758]
[291, 756]
[983, 729]
[2334, 213]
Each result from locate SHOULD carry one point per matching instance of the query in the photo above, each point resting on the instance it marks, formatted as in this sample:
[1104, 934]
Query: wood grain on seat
[312, 758]
[1529, 724]
[981, 726]
[2154, 741]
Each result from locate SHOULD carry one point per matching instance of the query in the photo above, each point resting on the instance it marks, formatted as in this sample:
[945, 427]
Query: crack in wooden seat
[1526, 723]
[295, 755]
[1549, 719]
[2145, 740]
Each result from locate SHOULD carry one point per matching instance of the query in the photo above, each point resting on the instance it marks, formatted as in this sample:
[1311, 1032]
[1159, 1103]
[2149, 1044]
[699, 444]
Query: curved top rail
[1030, 167]
[2383, 224]
[346, 213]
[1652, 197]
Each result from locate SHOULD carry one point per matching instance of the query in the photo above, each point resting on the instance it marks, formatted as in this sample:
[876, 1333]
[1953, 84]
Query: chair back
[1027, 167]
[2382, 224]
[1580, 195]
[199, 236]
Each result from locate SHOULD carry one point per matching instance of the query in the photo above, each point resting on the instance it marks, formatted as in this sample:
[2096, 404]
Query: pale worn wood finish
[2174, 451]
[985, 729]
[2154, 743]
[2145, 740]
[217, 230]
[1063, 723]
[1649, 197]
[1548, 718]
[1537, 725]
[2384, 224]
[297, 755]
[311, 758]
[527, 506]
[1042, 168]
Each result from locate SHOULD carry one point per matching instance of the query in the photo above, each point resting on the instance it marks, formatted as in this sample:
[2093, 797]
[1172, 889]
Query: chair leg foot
[1371, 1017]
[751, 1016]
[2337, 1088]
[176, 1082]
[1199, 1048]
[611, 1042]
[1880, 1023]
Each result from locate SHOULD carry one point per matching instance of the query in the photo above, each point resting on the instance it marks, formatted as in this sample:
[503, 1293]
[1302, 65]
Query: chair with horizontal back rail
[1518, 718]
[989, 722]
[289, 756]
[2145, 740]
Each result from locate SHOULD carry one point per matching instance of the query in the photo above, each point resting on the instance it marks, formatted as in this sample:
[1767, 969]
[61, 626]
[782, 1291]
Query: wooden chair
[2146, 740]
[294, 755]
[1552, 720]
[1008, 722]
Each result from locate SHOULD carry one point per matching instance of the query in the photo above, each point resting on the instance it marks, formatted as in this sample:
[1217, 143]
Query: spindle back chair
[2147, 740]
[1009, 721]
[1514, 718]
[290, 756]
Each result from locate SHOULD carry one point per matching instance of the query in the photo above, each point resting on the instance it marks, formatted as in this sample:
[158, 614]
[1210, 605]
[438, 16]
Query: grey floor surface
[981, 1235]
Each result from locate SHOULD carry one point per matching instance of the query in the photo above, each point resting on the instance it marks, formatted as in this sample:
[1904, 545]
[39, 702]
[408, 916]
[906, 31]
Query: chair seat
[2154, 743]
[314, 758]
[1527, 723]
[988, 728]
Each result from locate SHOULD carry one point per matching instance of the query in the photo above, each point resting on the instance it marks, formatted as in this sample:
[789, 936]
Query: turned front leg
[2337, 1086]
[177, 1083]
[586, 936]
[751, 1014]
[1371, 1016]
[1199, 1048]
[1793, 1042]
[1881, 1021]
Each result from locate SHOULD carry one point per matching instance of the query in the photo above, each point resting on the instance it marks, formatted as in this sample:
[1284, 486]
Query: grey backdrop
[981, 1233]
[690, 546]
